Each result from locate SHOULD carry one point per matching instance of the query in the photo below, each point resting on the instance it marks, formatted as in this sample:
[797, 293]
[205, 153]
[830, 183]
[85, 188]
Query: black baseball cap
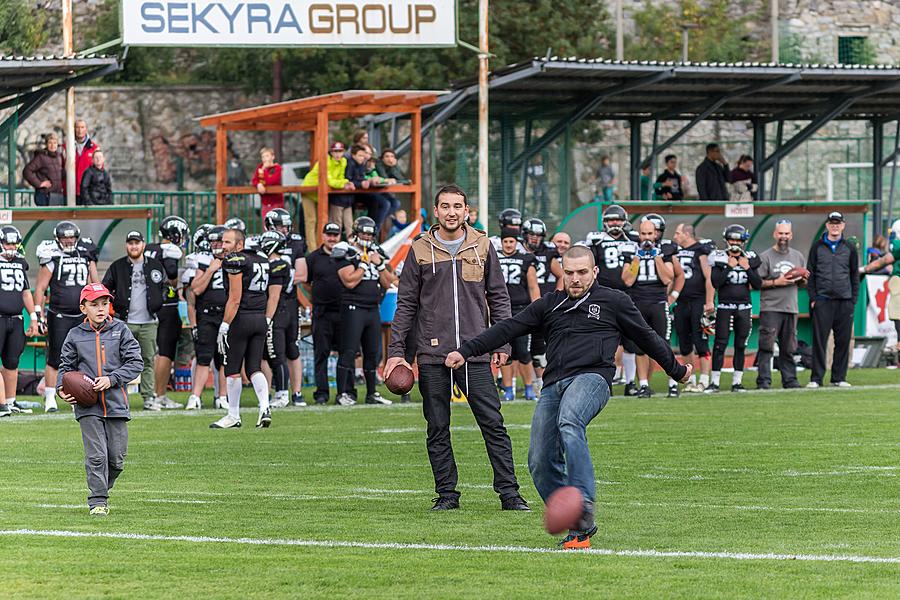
[332, 228]
[509, 232]
[835, 217]
[134, 235]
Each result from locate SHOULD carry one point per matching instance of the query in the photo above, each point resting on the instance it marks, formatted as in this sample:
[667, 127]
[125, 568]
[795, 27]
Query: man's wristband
[675, 294]
[380, 267]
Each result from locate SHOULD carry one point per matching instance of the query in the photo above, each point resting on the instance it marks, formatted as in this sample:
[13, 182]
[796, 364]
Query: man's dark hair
[451, 189]
[669, 157]
[356, 149]
[687, 229]
[744, 158]
[358, 135]
[388, 151]
[711, 147]
[578, 251]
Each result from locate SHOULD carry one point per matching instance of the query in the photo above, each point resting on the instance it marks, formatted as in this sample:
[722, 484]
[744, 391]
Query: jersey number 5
[12, 281]
[260, 280]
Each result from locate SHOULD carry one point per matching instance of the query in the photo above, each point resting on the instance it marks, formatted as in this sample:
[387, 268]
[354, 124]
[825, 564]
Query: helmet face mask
[278, 219]
[67, 234]
[736, 237]
[364, 231]
[535, 231]
[11, 239]
[614, 219]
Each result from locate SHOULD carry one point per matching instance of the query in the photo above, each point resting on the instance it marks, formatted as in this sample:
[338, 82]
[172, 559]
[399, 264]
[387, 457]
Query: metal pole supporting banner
[775, 41]
[877, 176]
[483, 111]
[620, 33]
[69, 50]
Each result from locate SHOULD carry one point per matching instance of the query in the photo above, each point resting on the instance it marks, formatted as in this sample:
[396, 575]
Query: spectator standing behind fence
[268, 173]
[334, 173]
[712, 174]
[670, 183]
[606, 180]
[833, 289]
[389, 168]
[743, 180]
[96, 185]
[341, 209]
[46, 173]
[779, 308]
[878, 249]
[85, 147]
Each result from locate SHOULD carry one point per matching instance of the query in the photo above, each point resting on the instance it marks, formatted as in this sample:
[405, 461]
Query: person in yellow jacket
[337, 165]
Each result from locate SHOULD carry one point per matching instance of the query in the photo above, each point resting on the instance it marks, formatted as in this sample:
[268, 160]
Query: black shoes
[644, 392]
[514, 503]
[737, 387]
[673, 391]
[445, 503]
[631, 389]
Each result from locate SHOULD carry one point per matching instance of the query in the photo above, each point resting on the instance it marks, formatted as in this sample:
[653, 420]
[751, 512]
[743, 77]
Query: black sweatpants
[782, 327]
[326, 335]
[828, 316]
[246, 343]
[12, 340]
[728, 320]
[360, 326]
[479, 388]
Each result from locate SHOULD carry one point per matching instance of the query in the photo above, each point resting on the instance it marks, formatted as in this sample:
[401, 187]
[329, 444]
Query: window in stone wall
[855, 50]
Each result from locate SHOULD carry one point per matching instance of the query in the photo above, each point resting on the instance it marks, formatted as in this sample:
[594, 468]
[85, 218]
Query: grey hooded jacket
[110, 351]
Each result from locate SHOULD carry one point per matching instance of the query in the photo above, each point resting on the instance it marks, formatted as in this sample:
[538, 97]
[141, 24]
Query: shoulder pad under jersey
[593, 237]
[718, 257]
[47, 251]
[234, 263]
[668, 248]
[168, 250]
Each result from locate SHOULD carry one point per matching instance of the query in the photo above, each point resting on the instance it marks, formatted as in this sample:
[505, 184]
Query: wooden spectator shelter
[314, 114]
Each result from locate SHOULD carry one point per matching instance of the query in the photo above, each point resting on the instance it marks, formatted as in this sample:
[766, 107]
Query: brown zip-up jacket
[447, 300]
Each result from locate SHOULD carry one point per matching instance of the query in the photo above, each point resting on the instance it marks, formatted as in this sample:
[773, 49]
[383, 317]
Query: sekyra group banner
[288, 23]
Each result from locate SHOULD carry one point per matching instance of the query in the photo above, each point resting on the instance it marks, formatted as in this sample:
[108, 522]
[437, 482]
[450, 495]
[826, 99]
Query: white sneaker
[193, 403]
[152, 404]
[226, 422]
[280, 401]
[166, 404]
[812, 385]
[221, 403]
[377, 398]
[841, 384]
[50, 405]
[346, 400]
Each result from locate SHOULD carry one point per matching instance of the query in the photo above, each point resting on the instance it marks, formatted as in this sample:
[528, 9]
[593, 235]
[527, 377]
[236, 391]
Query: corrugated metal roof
[23, 74]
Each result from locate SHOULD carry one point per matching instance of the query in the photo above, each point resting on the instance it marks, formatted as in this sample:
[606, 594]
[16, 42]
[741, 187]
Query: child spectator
[268, 173]
[104, 349]
[399, 222]
[96, 186]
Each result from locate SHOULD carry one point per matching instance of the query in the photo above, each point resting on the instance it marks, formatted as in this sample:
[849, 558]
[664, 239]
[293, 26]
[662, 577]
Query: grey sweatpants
[105, 447]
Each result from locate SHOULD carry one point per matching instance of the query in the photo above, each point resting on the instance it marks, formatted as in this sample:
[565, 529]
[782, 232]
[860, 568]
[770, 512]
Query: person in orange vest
[268, 173]
[85, 147]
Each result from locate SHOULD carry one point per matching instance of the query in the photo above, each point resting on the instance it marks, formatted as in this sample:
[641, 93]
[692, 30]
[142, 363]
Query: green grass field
[752, 495]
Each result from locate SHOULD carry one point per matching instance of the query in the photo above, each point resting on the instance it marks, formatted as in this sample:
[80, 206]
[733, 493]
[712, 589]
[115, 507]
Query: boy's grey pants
[105, 446]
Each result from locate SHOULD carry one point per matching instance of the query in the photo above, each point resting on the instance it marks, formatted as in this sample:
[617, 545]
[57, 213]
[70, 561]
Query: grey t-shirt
[452, 247]
[773, 265]
[137, 308]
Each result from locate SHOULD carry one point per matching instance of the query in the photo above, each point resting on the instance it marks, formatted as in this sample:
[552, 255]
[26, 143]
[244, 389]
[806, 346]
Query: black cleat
[711, 389]
[514, 503]
[765, 386]
[644, 392]
[673, 391]
[265, 419]
[404, 399]
[445, 503]
[631, 389]
[738, 387]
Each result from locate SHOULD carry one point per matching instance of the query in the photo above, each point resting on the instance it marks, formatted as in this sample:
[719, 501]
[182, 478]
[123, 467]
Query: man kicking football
[583, 324]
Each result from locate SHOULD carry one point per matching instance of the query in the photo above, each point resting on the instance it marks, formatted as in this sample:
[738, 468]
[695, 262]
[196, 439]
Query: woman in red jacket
[268, 173]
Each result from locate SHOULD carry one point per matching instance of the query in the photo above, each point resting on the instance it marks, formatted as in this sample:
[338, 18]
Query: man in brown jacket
[452, 289]
[46, 173]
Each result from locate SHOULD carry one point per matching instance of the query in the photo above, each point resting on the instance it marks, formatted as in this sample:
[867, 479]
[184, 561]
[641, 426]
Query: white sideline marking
[451, 547]
[750, 507]
[72, 506]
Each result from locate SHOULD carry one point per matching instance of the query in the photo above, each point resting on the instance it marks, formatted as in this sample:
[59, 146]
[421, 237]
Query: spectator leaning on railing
[743, 180]
[85, 147]
[46, 173]
[335, 168]
[268, 173]
[96, 185]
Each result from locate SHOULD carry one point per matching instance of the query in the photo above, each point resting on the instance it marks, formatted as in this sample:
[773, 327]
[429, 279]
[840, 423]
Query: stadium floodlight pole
[775, 40]
[620, 34]
[483, 110]
[69, 51]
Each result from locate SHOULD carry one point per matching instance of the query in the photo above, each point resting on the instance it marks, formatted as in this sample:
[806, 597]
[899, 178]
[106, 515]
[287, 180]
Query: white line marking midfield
[743, 556]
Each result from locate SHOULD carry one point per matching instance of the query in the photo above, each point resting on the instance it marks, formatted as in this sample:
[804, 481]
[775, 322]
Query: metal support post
[634, 157]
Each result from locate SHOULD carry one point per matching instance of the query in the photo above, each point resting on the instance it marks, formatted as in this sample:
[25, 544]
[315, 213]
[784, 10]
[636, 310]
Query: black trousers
[782, 327]
[246, 343]
[828, 316]
[326, 335]
[479, 388]
[12, 340]
[728, 320]
[360, 326]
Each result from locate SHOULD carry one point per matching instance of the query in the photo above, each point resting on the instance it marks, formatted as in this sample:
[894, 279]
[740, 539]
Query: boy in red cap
[104, 349]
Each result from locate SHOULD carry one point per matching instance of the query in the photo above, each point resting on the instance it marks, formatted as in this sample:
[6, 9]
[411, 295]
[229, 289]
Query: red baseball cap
[336, 146]
[93, 291]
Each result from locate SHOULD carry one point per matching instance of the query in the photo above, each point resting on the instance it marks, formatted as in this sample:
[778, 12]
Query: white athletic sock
[49, 394]
[216, 391]
[11, 401]
[233, 385]
[261, 387]
[715, 377]
[629, 365]
[693, 378]
[618, 373]
[672, 382]
[644, 382]
[704, 379]
[737, 378]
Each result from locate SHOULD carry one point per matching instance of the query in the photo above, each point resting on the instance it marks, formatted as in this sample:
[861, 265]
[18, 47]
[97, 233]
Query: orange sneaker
[578, 540]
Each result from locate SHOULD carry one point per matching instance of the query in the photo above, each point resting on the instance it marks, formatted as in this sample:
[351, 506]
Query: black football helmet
[271, 242]
[735, 237]
[67, 230]
[200, 239]
[10, 235]
[278, 217]
[510, 217]
[175, 229]
[235, 223]
[532, 228]
[614, 212]
[364, 226]
[215, 236]
[657, 221]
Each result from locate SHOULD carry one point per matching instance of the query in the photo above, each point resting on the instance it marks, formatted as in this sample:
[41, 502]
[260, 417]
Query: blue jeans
[559, 454]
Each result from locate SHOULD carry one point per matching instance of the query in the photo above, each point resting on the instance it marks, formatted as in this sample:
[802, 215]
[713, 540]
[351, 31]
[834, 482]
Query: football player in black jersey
[734, 272]
[174, 234]
[549, 274]
[287, 318]
[520, 274]
[242, 333]
[15, 295]
[68, 263]
[362, 268]
[208, 291]
[697, 298]
[647, 275]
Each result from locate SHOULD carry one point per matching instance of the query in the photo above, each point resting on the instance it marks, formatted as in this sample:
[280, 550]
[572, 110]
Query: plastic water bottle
[183, 379]
[332, 371]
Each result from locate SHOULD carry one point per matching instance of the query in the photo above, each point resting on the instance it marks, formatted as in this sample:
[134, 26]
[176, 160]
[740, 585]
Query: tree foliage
[22, 29]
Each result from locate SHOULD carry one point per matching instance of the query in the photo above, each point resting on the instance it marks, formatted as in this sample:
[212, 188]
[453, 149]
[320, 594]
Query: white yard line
[639, 553]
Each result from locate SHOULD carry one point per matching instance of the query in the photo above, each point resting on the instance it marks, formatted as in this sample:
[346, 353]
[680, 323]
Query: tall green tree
[22, 29]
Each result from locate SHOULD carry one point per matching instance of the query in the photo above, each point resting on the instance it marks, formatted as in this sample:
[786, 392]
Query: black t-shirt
[69, 273]
[733, 283]
[281, 273]
[691, 259]
[648, 288]
[254, 272]
[13, 281]
[609, 256]
[543, 256]
[671, 183]
[321, 273]
[215, 295]
[368, 291]
[168, 254]
[515, 273]
[294, 248]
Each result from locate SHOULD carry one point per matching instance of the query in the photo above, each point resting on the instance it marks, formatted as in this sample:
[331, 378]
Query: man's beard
[783, 245]
[581, 293]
